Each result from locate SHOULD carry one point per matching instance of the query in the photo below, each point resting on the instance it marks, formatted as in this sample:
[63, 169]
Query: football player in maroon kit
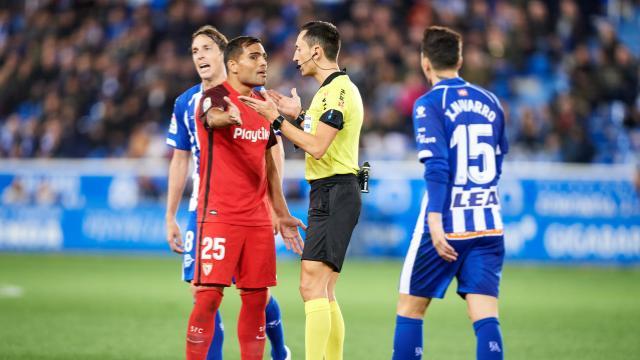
[239, 181]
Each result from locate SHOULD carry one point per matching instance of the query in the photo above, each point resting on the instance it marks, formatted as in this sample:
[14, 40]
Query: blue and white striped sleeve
[178, 135]
[433, 151]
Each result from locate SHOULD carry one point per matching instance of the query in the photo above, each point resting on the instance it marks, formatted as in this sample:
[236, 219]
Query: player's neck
[324, 70]
[240, 87]
[438, 76]
[213, 82]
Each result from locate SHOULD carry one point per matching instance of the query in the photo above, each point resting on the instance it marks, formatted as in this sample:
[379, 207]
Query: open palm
[289, 106]
[289, 231]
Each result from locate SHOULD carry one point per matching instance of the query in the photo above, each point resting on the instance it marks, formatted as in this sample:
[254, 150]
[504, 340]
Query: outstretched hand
[233, 111]
[266, 108]
[289, 106]
[220, 119]
[289, 231]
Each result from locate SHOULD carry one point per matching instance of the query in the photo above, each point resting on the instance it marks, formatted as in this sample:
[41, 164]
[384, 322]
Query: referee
[329, 133]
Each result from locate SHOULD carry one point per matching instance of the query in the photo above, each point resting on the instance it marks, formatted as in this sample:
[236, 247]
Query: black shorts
[334, 208]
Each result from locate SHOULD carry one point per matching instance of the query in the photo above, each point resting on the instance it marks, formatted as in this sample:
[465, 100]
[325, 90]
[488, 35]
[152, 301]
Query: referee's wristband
[277, 123]
[300, 119]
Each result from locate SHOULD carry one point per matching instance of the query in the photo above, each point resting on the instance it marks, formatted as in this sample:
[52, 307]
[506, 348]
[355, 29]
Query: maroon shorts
[246, 253]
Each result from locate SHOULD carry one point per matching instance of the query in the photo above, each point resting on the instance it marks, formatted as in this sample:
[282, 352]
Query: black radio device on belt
[363, 177]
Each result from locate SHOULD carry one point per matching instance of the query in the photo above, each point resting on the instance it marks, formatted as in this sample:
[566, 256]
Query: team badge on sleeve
[206, 104]
[173, 127]
[307, 123]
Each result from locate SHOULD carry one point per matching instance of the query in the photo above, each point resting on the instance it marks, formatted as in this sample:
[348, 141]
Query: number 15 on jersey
[471, 149]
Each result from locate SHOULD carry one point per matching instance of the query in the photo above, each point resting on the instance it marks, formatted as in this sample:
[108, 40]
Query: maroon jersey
[233, 176]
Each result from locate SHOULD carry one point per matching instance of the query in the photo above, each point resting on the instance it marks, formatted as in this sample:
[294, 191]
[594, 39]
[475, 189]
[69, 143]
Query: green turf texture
[135, 307]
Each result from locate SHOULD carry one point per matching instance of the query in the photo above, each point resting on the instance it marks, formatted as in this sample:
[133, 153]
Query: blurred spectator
[98, 78]
[45, 195]
[16, 193]
[149, 189]
[636, 180]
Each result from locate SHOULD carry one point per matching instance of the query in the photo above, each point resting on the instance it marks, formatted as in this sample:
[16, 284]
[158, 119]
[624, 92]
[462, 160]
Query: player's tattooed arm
[218, 118]
[277, 152]
[288, 225]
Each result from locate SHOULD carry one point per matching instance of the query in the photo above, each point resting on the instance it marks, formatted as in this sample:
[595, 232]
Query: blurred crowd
[98, 78]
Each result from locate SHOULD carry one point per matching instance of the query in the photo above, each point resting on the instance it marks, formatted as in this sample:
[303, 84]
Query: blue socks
[489, 339]
[215, 350]
[407, 341]
[275, 331]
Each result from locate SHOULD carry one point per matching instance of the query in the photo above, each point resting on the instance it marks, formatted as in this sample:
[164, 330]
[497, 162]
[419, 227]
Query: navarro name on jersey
[467, 105]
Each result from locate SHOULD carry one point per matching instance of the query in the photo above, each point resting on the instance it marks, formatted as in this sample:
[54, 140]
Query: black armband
[333, 118]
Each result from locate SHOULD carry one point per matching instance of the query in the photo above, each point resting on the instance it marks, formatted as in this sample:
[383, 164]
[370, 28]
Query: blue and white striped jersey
[461, 139]
[182, 133]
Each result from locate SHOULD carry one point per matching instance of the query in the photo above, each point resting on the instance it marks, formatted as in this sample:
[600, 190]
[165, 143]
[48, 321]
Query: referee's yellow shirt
[338, 104]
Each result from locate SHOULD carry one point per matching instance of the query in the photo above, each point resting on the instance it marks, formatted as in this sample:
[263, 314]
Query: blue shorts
[478, 268]
[189, 240]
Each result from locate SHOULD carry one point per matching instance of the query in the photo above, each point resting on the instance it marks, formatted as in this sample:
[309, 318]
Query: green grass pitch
[135, 307]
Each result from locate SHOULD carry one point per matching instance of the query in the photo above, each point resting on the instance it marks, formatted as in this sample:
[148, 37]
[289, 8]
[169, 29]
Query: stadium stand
[97, 78]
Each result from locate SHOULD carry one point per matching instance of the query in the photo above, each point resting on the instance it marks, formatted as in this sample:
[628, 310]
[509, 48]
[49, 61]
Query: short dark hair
[236, 46]
[213, 34]
[442, 46]
[324, 34]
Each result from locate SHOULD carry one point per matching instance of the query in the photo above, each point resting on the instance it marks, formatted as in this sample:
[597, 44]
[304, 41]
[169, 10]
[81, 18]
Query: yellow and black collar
[331, 77]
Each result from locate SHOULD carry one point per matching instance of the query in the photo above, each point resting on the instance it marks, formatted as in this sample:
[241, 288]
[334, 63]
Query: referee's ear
[317, 53]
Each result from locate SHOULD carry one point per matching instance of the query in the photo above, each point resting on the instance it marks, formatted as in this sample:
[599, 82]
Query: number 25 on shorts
[213, 248]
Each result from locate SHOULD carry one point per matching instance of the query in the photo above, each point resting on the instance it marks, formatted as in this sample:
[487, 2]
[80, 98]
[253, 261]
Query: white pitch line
[10, 291]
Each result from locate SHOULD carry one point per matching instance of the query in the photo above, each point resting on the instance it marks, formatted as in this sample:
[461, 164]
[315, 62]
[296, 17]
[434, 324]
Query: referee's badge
[306, 125]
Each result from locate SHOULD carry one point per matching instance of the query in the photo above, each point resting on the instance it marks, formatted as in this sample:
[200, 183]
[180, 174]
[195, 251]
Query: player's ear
[459, 64]
[232, 66]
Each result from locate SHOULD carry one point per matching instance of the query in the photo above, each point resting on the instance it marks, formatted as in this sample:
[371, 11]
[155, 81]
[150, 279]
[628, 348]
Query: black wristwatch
[277, 123]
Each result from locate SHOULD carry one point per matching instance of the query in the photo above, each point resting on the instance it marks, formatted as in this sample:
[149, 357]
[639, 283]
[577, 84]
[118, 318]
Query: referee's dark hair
[324, 34]
[442, 46]
[236, 46]
[213, 34]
